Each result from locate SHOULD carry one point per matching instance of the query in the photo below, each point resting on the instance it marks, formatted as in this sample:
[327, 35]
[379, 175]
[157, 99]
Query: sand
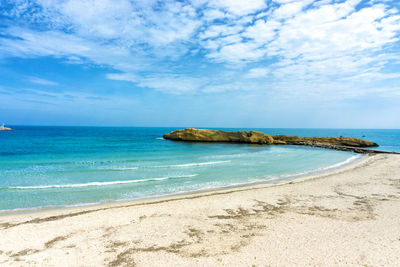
[349, 216]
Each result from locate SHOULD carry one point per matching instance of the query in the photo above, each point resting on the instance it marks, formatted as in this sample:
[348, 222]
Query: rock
[2, 128]
[204, 135]
[254, 137]
[340, 141]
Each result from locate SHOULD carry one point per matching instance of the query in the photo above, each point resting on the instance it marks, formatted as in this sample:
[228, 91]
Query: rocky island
[2, 128]
[254, 137]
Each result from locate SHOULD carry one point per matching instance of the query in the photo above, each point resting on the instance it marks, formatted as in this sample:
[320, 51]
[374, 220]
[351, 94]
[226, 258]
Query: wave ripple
[99, 183]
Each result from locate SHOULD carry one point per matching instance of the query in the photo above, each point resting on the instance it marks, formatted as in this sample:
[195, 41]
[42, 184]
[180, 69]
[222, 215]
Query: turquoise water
[58, 166]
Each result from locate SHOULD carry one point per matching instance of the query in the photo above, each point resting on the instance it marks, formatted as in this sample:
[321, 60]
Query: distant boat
[2, 128]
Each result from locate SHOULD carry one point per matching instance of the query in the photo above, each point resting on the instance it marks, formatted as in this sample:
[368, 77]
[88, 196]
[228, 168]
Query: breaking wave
[100, 183]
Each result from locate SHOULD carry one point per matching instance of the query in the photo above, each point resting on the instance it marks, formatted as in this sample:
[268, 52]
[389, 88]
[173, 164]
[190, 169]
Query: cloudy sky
[210, 63]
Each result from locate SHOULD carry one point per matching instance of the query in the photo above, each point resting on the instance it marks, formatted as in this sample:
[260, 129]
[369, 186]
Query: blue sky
[219, 63]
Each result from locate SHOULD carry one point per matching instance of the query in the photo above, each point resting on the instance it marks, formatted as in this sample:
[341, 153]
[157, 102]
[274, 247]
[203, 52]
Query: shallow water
[57, 166]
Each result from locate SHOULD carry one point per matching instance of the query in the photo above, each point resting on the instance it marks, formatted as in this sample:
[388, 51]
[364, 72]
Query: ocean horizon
[51, 166]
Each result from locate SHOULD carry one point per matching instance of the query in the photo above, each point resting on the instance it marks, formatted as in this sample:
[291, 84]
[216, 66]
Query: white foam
[239, 155]
[193, 164]
[334, 166]
[100, 183]
[121, 168]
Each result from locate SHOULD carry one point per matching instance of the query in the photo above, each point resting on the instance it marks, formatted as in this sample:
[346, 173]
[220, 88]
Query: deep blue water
[57, 166]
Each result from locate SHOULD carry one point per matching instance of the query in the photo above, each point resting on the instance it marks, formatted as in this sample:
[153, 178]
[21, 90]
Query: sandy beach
[349, 216]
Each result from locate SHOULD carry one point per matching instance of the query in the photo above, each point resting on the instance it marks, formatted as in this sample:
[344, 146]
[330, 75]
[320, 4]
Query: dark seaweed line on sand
[344, 148]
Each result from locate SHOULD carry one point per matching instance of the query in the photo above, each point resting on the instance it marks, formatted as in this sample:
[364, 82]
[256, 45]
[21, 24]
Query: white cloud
[41, 81]
[101, 18]
[28, 43]
[226, 87]
[335, 47]
[262, 31]
[220, 30]
[213, 14]
[167, 83]
[238, 53]
[151, 43]
[258, 72]
[174, 84]
[290, 9]
[123, 77]
[239, 7]
[123, 21]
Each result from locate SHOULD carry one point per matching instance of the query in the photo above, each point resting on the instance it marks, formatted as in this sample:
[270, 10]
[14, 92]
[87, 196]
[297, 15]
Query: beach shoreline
[347, 216]
[291, 178]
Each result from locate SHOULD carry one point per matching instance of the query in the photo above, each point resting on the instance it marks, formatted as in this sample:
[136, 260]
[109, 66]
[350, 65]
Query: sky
[201, 63]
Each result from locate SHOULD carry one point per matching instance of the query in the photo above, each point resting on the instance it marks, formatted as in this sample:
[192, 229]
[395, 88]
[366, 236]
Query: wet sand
[348, 216]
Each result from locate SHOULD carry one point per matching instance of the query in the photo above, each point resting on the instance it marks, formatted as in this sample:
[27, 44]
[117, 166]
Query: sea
[44, 166]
